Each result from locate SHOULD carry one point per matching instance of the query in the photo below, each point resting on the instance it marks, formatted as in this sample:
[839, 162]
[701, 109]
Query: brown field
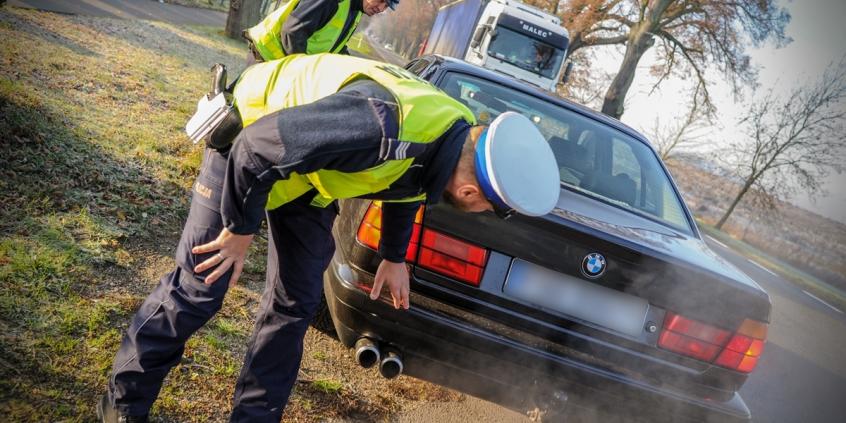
[806, 240]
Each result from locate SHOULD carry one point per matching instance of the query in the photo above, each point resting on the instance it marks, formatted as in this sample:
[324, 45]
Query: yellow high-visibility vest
[329, 39]
[425, 113]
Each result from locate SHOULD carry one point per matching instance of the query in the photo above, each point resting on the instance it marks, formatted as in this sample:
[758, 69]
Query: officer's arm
[306, 19]
[343, 132]
[397, 225]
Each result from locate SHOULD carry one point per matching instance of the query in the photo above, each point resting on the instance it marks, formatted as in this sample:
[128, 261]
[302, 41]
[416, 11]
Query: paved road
[129, 9]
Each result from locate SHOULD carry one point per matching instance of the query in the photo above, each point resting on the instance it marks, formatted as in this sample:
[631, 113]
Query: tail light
[745, 347]
[370, 230]
[438, 252]
[737, 351]
[692, 338]
[452, 257]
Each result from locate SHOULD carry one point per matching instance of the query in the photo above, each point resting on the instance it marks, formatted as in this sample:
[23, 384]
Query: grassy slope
[94, 179]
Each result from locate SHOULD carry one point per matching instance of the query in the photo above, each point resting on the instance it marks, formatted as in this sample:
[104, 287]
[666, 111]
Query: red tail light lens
[737, 351]
[452, 257]
[691, 338]
[437, 252]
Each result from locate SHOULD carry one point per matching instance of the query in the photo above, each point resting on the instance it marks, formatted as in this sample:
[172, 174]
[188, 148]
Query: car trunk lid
[642, 258]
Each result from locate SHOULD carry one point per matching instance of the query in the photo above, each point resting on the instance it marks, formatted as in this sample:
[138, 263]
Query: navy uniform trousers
[300, 246]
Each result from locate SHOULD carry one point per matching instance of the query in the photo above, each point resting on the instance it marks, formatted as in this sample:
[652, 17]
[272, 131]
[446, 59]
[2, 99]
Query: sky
[818, 30]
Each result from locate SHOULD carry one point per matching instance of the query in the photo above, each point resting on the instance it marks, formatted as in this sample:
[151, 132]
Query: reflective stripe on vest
[266, 35]
[425, 113]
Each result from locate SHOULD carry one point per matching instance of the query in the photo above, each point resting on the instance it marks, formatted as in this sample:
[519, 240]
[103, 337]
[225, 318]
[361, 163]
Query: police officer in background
[310, 27]
[317, 128]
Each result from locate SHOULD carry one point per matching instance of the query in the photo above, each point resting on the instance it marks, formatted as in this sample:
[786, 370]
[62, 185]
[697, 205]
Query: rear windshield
[593, 159]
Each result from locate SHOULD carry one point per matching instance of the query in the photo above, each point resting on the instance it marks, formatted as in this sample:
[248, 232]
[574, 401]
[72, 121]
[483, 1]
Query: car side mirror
[479, 35]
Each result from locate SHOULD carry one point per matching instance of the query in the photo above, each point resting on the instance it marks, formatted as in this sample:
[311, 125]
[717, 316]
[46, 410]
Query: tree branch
[686, 53]
[599, 41]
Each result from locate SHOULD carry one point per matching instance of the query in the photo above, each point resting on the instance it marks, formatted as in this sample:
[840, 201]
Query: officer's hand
[396, 276]
[231, 251]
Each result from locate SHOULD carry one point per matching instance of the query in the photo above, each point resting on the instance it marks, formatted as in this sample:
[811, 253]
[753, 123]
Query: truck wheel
[323, 320]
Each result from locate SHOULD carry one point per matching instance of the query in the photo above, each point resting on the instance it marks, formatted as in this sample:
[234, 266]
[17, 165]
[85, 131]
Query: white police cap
[516, 168]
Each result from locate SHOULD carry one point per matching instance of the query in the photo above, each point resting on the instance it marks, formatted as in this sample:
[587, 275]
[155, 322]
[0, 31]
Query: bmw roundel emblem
[593, 266]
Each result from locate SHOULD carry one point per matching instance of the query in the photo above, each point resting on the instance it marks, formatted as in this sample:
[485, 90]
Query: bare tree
[793, 142]
[759, 209]
[683, 132]
[691, 35]
[242, 15]
[586, 82]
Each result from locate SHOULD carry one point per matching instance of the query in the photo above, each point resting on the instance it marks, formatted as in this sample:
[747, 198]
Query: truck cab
[506, 36]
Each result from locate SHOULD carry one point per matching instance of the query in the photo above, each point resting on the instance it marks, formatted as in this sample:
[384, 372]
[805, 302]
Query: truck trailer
[506, 36]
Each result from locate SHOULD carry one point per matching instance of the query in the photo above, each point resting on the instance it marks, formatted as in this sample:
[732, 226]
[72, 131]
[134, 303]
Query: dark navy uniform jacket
[344, 132]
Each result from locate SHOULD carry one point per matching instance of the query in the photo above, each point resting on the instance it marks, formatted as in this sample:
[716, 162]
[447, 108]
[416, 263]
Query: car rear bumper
[484, 363]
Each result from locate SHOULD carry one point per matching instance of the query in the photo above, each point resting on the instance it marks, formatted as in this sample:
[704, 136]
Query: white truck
[506, 36]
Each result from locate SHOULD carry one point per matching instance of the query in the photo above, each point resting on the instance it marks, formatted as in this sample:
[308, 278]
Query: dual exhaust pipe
[367, 353]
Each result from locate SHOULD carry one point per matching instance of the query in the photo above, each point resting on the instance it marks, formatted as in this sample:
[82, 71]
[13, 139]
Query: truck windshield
[593, 158]
[526, 53]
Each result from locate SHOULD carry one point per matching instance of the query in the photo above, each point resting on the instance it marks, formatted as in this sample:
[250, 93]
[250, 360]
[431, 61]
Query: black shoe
[108, 414]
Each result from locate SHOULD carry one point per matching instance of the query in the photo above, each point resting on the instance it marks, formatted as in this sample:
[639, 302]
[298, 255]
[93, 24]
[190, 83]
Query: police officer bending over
[311, 27]
[317, 128]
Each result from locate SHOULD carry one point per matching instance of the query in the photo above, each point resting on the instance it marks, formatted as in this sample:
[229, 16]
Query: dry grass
[94, 182]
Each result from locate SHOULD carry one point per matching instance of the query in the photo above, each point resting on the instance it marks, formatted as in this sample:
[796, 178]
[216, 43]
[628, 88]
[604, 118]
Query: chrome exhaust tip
[366, 353]
[391, 365]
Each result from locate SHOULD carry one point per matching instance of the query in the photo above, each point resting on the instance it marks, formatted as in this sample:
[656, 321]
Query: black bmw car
[611, 306]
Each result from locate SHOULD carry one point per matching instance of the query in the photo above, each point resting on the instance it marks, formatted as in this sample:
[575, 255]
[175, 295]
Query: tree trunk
[242, 15]
[734, 203]
[615, 97]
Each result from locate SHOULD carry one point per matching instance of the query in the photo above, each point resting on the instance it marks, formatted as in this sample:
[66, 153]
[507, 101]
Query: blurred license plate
[575, 297]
